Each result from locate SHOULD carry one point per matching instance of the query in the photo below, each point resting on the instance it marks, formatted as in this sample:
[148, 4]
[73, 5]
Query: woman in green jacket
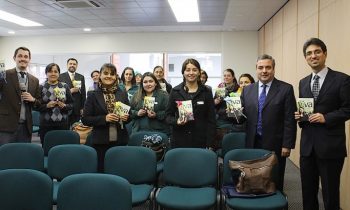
[148, 106]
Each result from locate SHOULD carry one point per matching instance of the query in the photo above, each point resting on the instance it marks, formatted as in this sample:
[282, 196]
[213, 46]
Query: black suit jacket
[278, 123]
[10, 102]
[95, 112]
[79, 97]
[327, 140]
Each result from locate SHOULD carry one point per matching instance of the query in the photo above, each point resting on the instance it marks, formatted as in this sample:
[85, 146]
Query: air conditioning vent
[77, 4]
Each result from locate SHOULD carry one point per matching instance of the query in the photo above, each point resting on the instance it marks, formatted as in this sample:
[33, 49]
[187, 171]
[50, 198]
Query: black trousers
[312, 169]
[101, 150]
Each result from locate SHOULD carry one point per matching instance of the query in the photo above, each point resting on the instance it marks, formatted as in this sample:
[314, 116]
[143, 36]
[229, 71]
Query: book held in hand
[220, 92]
[163, 86]
[60, 93]
[185, 110]
[121, 109]
[77, 83]
[305, 107]
[234, 107]
[148, 103]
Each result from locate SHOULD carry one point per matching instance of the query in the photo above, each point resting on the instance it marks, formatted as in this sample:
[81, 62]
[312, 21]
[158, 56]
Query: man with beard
[19, 91]
[76, 83]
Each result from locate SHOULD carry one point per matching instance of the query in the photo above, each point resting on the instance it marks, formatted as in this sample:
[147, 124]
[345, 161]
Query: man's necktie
[316, 87]
[261, 101]
[22, 74]
[72, 77]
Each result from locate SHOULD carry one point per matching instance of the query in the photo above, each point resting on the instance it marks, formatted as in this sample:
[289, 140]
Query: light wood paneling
[277, 51]
[261, 37]
[289, 57]
[268, 38]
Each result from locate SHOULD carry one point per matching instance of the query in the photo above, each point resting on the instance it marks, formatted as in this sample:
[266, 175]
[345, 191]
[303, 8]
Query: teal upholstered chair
[65, 160]
[136, 140]
[235, 140]
[58, 137]
[137, 165]
[21, 156]
[272, 202]
[36, 121]
[25, 189]
[190, 176]
[94, 191]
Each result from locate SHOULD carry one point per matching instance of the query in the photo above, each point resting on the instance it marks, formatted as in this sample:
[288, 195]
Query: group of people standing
[269, 110]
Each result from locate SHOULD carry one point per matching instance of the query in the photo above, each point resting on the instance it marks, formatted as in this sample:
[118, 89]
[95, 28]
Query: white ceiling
[135, 16]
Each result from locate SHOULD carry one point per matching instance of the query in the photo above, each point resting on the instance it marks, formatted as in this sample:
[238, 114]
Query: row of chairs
[190, 175]
[31, 189]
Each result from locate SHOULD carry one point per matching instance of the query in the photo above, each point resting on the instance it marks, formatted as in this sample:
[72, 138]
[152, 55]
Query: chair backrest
[230, 141]
[94, 191]
[68, 159]
[134, 163]
[244, 154]
[58, 137]
[137, 137]
[25, 189]
[36, 118]
[21, 156]
[190, 167]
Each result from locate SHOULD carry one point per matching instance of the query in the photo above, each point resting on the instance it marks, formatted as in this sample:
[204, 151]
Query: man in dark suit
[322, 147]
[269, 105]
[76, 83]
[19, 91]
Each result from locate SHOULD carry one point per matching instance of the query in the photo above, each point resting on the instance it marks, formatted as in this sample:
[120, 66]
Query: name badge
[200, 102]
[155, 102]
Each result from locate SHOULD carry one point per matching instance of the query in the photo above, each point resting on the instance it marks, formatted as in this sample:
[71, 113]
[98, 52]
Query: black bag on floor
[156, 143]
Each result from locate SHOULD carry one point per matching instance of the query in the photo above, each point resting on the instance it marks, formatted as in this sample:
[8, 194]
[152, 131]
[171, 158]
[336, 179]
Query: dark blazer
[201, 131]
[95, 111]
[10, 102]
[279, 125]
[79, 97]
[327, 140]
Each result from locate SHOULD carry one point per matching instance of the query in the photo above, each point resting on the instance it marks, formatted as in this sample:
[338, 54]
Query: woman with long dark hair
[149, 118]
[129, 81]
[196, 128]
[230, 86]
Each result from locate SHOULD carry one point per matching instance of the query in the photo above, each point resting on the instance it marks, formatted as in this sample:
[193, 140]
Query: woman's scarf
[109, 94]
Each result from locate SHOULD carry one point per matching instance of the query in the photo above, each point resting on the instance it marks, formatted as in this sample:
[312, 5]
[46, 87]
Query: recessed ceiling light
[87, 29]
[17, 19]
[11, 32]
[185, 10]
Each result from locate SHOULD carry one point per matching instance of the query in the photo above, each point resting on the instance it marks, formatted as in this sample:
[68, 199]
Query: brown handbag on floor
[255, 176]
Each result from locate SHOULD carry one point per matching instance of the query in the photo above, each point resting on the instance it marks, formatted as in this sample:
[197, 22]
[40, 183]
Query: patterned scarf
[109, 94]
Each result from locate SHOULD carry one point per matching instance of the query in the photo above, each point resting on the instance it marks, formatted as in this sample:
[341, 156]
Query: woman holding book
[108, 127]
[148, 106]
[191, 111]
[226, 89]
[56, 101]
[129, 81]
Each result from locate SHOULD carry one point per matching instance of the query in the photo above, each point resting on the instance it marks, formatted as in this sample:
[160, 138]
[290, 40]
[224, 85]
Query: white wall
[239, 49]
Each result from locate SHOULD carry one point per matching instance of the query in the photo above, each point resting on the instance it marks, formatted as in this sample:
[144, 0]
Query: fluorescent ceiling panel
[185, 10]
[18, 20]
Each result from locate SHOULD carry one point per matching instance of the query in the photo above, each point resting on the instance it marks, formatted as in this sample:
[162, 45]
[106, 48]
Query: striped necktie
[316, 87]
